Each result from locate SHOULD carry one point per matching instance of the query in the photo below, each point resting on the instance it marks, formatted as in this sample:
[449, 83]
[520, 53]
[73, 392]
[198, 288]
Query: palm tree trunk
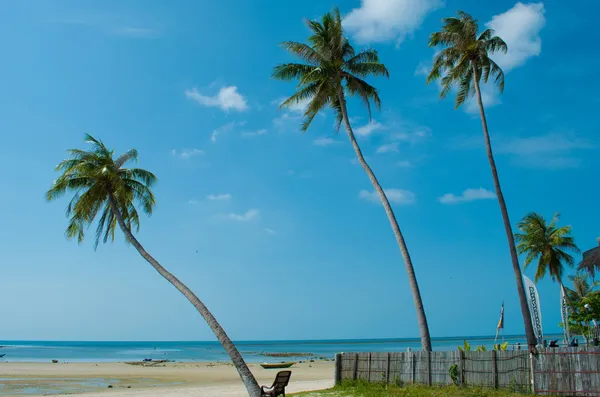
[531, 340]
[412, 278]
[237, 359]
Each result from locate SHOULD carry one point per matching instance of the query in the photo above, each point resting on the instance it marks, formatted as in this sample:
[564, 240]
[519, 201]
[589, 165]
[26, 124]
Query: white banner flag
[564, 312]
[533, 300]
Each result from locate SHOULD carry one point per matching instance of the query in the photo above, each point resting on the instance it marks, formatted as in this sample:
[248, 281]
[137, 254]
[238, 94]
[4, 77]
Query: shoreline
[193, 379]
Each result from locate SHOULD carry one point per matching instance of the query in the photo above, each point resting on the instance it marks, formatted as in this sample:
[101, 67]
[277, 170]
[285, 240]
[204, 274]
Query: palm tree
[547, 243]
[331, 71]
[464, 61]
[581, 287]
[102, 186]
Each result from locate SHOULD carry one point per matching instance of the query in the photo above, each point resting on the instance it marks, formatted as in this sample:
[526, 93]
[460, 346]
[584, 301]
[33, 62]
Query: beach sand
[167, 379]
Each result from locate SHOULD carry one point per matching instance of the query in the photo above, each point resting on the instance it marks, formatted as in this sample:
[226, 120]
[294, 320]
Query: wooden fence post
[355, 375]
[369, 369]
[387, 370]
[428, 357]
[461, 367]
[494, 369]
[412, 367]
[337, 375]
[532, 369]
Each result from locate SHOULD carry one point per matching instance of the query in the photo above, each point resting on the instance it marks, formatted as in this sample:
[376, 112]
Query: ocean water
[44, 351]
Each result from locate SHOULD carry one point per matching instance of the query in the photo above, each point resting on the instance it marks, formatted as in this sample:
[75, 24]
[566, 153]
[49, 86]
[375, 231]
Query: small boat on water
[277, 365]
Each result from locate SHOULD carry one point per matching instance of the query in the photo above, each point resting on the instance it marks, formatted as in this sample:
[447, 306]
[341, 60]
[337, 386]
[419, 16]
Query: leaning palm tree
[103, 187]
[547, 243]
[331, 71]
[464, 62]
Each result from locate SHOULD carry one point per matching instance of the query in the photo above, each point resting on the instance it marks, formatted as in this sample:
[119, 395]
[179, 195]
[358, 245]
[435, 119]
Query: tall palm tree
[103, 186]
[547, 243]
[331, 71]
[464, 62]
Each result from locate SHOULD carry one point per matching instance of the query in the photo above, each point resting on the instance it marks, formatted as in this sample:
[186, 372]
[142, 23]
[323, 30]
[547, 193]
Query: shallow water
[44, 351]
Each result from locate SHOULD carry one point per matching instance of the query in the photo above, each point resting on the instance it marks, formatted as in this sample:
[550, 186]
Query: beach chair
[278, 388]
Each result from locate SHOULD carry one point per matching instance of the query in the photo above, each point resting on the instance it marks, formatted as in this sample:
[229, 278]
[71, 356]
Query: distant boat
[277, 365]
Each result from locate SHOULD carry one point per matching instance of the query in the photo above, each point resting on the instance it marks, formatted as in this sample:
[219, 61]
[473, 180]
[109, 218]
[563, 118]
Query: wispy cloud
[412, 134]
[193, 202]
[249, 215]
[269, 231]
[225, 129]
[111, 24]
[550, 151]
[137, 32]
[388, 148]
[466, 196]
[368, 129]
[422, 69]
[219, 197]
[250, 134]
[228, 98]
[404, 164]
[396, 196]
[324, 141]
[298, 107]
[388, 20]
[186, 153]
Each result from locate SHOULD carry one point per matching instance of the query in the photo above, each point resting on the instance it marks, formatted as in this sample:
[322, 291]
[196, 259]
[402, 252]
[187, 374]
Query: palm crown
[547, 242]
[465, 57]
[331, 65]
[97, 179]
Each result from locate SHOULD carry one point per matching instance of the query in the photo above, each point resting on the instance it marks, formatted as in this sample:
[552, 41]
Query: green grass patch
[363, 389]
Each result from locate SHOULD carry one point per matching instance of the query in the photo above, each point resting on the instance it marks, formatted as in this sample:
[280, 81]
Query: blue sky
[259, 219]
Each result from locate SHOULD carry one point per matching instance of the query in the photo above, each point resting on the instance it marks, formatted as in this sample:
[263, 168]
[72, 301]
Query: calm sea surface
[212, 351]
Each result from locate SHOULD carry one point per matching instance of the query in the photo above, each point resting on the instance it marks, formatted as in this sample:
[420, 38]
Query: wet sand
[165, 379]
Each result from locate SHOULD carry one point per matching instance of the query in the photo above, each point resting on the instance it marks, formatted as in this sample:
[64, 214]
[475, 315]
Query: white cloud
[269, 231]
[249, 134]
[324, 141]
[385, 20]
[368, 129]
[520, 28]
[227, 98]
[467, 196]
[186, 153]
[193, 202]
[248, 216]
[396, 196]
[219, 197]
[388, 148]
[404, 164]
[225, 129]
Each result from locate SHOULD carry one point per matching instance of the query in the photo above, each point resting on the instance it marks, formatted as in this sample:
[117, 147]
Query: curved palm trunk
[531, 340]
[243, 370]
[412, 278]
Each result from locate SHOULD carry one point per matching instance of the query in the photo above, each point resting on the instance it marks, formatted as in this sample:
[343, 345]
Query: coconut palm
[463, 63]
[581, 287]
[331, 71]
[547, 243]
[103, 187]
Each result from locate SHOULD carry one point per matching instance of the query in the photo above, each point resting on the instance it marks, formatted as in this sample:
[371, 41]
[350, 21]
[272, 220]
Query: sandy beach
[165, 379]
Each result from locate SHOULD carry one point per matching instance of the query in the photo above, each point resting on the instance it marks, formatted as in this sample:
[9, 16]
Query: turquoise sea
[253, 351]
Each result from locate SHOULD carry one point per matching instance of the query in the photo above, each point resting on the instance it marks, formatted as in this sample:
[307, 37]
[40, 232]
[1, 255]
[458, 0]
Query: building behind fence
[566, 371]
